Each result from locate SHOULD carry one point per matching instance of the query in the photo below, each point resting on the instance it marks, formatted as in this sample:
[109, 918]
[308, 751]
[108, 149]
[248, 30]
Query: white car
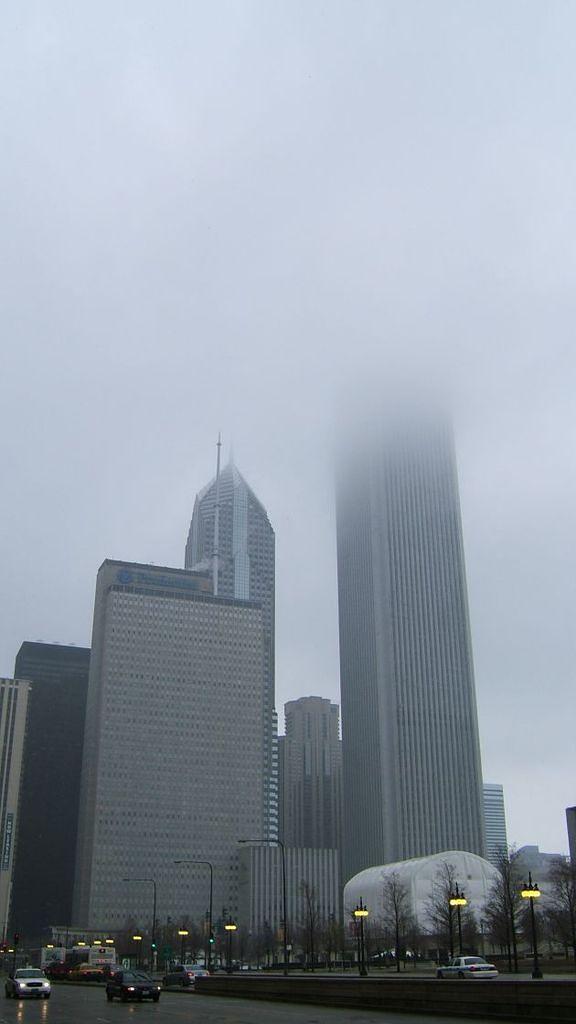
[28, 981]
[467, 967]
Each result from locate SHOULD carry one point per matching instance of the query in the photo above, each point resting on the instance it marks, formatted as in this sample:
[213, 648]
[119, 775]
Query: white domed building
[419, 876]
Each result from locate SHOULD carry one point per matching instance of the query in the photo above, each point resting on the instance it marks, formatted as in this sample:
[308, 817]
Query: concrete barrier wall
[488, 1000]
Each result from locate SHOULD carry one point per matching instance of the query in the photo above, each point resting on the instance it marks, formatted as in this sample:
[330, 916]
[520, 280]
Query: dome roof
[474, 875]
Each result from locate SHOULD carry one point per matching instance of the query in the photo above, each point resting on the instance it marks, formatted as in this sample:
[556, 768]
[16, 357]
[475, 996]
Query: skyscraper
[411, 757]
[238, 545]
[51, 767]
[311, 775]
[571, 825]
[173, 751]
[14, 696]
[494, 821]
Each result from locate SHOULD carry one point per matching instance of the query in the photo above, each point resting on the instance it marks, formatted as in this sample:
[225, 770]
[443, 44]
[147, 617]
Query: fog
[221, 216]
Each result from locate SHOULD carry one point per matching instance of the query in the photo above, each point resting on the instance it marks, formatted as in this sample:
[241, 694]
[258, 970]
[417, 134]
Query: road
[87, 1005]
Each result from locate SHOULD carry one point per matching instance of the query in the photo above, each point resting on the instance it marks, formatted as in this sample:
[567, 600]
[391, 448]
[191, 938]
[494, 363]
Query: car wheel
[156, 999]
[461, 974]
[123, 997]
[439, 974]
[182, 984]
[47, 996]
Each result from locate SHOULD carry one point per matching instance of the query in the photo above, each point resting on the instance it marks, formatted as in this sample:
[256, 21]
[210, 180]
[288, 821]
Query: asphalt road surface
[87, 1005]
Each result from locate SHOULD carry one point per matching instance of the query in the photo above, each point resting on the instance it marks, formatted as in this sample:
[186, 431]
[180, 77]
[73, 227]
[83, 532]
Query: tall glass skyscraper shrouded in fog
[412, 776]
[245, 559]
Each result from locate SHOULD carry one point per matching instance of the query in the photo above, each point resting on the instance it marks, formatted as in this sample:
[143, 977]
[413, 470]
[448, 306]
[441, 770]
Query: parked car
[27, 981]
[184, 975]
[467, 967]
[132, 985]
[87, 972]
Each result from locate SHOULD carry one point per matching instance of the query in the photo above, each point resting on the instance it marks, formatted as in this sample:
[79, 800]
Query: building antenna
[216, 550]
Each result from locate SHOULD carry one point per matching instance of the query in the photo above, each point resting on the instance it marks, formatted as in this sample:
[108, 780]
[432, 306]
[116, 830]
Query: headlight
[131, 988]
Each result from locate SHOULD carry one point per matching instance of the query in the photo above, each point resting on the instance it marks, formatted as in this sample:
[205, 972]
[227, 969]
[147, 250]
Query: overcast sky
[214, 215]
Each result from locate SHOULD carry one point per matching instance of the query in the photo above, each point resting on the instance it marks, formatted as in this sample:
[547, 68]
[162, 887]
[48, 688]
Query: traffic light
[211, 940]
[154, 945]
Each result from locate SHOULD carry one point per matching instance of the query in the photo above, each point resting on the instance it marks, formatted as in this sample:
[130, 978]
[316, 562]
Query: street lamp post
[280, 844]
[230, 927]
[531, 892]
[208, 947]
[457, 899]
[138, 939]
[152, 882]
[182, 932]
[360, 912]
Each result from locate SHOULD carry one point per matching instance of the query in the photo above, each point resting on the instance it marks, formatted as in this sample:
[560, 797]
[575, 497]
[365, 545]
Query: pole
[363, 970]
[536, 972]
[451, 930]
[285, 923]
[459, 930]
[153, 950]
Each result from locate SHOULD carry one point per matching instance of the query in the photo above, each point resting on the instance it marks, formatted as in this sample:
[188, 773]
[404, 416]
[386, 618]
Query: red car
[57, 969]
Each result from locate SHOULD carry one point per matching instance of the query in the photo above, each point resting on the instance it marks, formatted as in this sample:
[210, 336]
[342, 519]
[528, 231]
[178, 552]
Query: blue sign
[149, 579]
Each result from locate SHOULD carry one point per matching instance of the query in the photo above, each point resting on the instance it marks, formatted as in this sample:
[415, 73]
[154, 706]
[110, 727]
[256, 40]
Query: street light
[182, 932]
[230, 927]
[279, 843]
[208, 948]
[152, 882]
[457, 899]
[138, 938]
[531, 892]
[360, 912]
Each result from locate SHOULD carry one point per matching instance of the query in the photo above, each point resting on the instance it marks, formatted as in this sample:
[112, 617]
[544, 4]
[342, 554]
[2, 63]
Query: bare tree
[332, 939]
[502, 910]
[441, 915]
[311, 921]
[562, 914]
[397, 913]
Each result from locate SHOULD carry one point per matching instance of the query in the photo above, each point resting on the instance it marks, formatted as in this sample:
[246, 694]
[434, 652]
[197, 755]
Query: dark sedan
[127, 985]
[184, 975]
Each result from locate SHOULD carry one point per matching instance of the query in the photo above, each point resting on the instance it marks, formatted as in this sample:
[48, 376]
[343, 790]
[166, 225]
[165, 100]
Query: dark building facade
[311, 771]
[49, 794]
[571, 825]
[246, 571]
[412, 779]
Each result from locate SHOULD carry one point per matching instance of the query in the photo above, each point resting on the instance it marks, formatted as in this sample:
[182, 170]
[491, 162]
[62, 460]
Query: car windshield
[142, 976]
[29, 973]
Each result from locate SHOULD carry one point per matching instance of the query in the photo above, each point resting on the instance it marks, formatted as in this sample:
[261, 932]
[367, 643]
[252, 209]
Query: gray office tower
[50, 788]
[412, 776]
[311, 773]
[240, 545]
[571, 825]
[173, 751]
[494, 822]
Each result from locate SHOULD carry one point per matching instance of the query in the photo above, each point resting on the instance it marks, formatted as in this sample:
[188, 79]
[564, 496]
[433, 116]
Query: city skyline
[240, 215]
